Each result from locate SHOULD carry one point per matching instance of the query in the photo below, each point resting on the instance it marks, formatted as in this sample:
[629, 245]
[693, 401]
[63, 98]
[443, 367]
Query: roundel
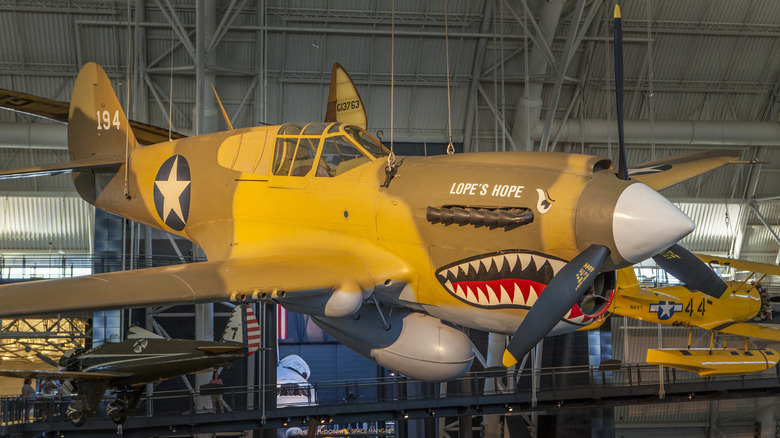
[140, 345]
[172, 192]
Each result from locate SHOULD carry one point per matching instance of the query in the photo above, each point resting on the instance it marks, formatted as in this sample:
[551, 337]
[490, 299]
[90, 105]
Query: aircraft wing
[59, 375]
[741, 265]
[762, 331]
[666, 172]
[297, 274]
[58, 111]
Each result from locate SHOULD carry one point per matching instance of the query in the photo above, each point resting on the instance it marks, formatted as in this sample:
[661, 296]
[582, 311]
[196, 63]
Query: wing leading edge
[294, 273]
[666, 172]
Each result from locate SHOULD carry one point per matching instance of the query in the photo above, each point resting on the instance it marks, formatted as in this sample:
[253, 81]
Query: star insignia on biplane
[665, 309]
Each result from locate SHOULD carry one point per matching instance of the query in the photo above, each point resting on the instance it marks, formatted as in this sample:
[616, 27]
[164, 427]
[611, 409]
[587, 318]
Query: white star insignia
[171, 189]
[666, 307]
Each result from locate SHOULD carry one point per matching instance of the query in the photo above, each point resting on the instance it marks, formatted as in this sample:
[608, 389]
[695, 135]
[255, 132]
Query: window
[284, 155]
[367, 141]
[340, 155]
[106, 327]
[344, 148]
[304, 156]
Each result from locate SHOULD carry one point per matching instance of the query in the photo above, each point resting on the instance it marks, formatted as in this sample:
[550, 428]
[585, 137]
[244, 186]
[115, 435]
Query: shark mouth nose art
[506, 279]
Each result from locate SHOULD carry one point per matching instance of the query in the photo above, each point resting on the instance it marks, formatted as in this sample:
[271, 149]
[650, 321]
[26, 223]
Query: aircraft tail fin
[235, 332]
[627, 277]
[97, 124]
[344, 102]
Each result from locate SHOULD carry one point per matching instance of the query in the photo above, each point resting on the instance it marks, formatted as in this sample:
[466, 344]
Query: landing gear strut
[123, 405]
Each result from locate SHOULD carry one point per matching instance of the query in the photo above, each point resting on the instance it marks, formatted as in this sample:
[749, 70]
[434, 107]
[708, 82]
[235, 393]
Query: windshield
[322, 149]
[369, 143]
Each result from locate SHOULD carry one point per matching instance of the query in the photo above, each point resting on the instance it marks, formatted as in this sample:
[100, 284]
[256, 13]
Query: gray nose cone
[645, 223]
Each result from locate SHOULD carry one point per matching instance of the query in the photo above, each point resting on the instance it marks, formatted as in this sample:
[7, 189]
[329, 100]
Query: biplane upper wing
[58, 111]
[295, 275]
[741, 265]
[660, 174]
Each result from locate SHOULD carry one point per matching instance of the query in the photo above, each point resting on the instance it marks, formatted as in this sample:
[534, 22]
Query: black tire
[77, 413]
[117, 411]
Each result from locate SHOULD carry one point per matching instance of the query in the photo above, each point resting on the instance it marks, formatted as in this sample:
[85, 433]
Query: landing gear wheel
[77, 413]
[117, 411]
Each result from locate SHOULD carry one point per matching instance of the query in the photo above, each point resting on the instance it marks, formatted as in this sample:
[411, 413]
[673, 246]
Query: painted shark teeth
[503, 263]
[505, 279]
[500, 279]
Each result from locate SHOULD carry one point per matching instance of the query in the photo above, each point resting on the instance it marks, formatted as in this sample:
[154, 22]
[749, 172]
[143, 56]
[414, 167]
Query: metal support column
[205, 117]
[476, 71]
[495, 353]
[268, 360]
[529, 107]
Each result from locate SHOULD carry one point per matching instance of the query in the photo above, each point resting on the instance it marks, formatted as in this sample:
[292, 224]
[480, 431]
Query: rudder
[344, 102]
[234, 331]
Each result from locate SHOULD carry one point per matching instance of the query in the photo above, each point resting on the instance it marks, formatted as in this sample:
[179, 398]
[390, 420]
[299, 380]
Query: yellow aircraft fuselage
[236, 206]
[384, 258]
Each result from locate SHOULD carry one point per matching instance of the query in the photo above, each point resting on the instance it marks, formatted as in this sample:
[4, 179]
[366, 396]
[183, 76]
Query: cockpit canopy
[326, 149]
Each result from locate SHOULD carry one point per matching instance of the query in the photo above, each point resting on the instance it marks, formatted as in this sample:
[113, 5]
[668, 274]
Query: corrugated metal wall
[34, 224]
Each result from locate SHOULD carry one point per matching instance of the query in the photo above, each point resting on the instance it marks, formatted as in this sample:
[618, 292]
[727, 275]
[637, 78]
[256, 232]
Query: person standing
[216, 399]
[28, 398]
[48, 392]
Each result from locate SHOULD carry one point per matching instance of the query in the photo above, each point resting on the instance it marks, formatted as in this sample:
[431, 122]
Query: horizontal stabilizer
[59, 375]
[721, 362]
[666, 172]
[58, 111]
[221, 349]
[64, 167]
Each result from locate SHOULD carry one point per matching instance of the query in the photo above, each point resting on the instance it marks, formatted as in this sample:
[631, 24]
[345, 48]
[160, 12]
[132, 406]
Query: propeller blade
[690, 270]
[47, 359]
[563, 292]
[618, 43]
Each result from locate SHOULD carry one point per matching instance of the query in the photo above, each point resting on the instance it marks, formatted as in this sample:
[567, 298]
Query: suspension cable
[391, 157]
[127, 106]
[450, 146]
[170, 92]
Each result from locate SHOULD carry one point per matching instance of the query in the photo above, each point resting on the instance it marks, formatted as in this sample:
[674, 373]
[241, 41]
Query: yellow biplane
[743, 309]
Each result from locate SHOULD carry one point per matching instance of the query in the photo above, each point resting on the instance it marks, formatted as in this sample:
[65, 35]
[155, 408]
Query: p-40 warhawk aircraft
[743, 308]
[144, 357]
[307, 215]
[315, 217]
